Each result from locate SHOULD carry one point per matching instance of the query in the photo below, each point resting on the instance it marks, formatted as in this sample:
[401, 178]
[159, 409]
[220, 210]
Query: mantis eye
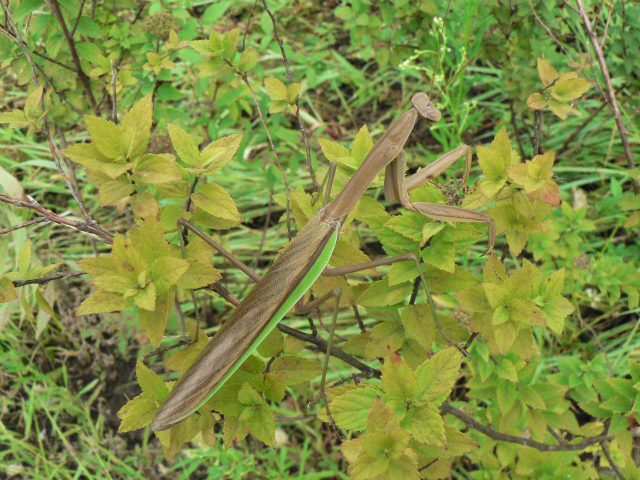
[425, 108]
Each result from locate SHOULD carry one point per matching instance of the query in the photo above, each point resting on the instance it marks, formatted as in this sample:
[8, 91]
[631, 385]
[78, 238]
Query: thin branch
[335, 352]
[612, 97]
[114, 95]
[80, 226]
[41, 280]
[47, 124]
[548, 30]
[295, 419]
[582, 126]
[447, 408]
[75, 25]
[275, 153]
[613, 464]
[303, 131]
[52, 60]
[60, 94]
[23, 225]
[82, 76]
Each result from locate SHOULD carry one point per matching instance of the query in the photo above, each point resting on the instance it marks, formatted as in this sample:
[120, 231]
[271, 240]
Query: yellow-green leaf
[7, 290]
[153, 169]
[276, 89]
[214, 200]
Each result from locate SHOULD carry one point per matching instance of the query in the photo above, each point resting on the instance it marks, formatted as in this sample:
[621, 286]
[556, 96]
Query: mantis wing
[290, 276]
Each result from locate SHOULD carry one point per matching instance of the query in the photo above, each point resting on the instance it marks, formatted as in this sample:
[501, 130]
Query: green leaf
[570, 88]
[214, 200]
[333, 150]
[380, 294]
[440, 254]
[438, 374]
[184, 144]
[249, 396]
[560, 110]
[293, 91]
[100, 265]
[457, 443]
[262, 425]
[409, 224]
[202, 46]
[102, 302]
[419, 324]
[547, 72]
[152, 385]
[149, 240]
[398, 381]
[108, 138]
[350, 410]
[401, 272]
[276, 89]
[229, 42]
[234, 431]
[153, 169]
[537, 101]
[86, 154]
[136, 127]
[296, 369]
[144, 205]
[146, 297]
[15, 119]
[24, 257]
[167, 271]
[425, 424]
[362, 144]
[112, 192]
[384, 336]
[32, 107]
[217, 154]
[505, 334]
[198, 275]
[494, 161]
[137, 413]
[7, 290]
[118, 283]
[154, 322]
[274, 386]
[272, 345]
[248, 60]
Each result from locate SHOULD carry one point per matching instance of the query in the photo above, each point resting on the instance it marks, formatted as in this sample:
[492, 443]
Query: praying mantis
[306, 258]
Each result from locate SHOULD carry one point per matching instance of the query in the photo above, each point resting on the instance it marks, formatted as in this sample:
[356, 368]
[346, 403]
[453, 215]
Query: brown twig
[611, 94]
[335, 352]
[295, 419]
[49, 59]
[47, 125]
[548, 30]
[41, 280]
[75, 25]
[515, 130]
[114, 96]
[287, 189]
[80, 226]
[303, 131]
[613, 464]
[23, 225]
[82, 76]
[447, 408]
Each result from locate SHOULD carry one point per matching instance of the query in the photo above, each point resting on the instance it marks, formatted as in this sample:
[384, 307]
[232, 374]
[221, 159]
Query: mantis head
[425, 108]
